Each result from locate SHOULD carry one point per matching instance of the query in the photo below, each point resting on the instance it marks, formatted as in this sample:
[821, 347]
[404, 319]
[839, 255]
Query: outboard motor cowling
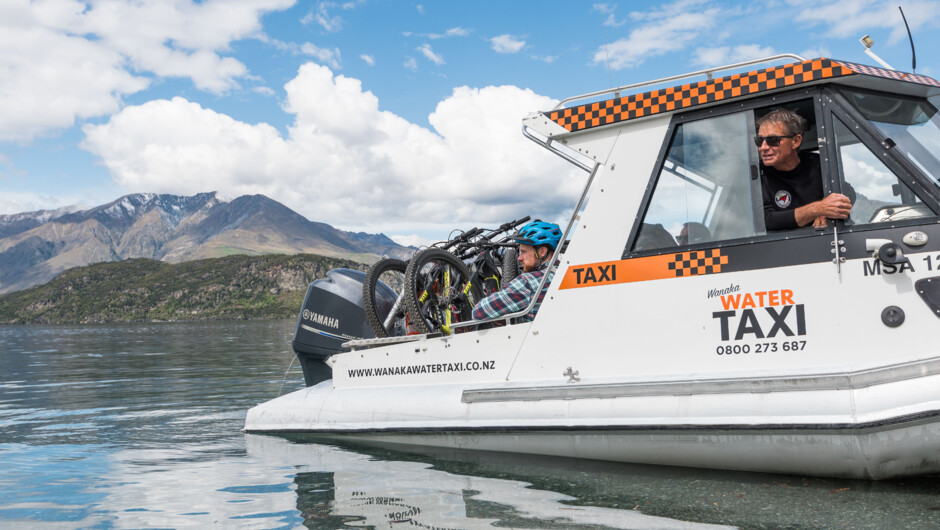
[332, 314]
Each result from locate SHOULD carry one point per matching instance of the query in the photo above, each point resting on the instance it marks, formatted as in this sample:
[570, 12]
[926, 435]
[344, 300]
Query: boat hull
[851, 432]
[873, 454]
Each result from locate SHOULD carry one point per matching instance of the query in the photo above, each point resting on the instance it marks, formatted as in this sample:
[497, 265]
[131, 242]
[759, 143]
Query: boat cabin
[673, 248]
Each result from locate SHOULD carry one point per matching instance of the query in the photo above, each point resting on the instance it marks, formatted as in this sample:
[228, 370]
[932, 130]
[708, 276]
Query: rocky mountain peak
[37, 246]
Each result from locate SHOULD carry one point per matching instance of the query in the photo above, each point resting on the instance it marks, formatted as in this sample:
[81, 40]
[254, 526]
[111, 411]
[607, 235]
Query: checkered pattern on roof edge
[674, 98]
[889, 74]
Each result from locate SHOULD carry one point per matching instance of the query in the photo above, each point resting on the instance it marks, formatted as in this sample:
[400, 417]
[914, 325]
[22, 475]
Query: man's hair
[791, 121]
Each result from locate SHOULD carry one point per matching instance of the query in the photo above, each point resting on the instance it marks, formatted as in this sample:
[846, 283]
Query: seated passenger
[792, 183]
[652, 236]
[537, 241]
[693, 232]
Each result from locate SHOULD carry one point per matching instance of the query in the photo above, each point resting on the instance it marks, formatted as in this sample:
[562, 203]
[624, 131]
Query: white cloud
[325, 56]
[506, 43]
[411, 240]
[607, 9]
[12, 202]
[346, 162]
[103, 51]
[457, 32]
[452, 32]
[178, 39]
[723, 55]
[210, 150]
[322, 17]
[426, 50]
[665, 29]
[812, 53]
[368, 59]
[411, 64]
[36, 63]
[854, 18]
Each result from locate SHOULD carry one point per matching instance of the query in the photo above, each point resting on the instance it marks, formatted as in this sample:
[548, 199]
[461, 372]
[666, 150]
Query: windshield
[912, 124]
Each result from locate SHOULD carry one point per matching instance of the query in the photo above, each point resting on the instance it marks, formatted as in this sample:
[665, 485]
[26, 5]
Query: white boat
[804, 351]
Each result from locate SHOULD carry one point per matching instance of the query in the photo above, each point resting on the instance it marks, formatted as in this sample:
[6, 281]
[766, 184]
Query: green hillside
[229, 288]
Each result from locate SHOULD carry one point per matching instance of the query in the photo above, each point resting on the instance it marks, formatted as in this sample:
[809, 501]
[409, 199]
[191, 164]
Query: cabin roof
[621, 109]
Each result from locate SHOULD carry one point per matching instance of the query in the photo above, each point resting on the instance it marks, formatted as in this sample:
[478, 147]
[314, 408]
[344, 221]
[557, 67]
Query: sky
[393, 117]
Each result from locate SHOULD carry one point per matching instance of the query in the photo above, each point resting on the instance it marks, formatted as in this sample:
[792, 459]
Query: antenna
[610, 77]
[913, 55]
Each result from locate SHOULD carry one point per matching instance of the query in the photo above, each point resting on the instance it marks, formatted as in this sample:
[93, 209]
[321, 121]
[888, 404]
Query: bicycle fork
[445, 303]
[394, 311]
[445, 327]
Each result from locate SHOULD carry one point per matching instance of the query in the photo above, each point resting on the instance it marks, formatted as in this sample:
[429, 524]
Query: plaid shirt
[514, 297]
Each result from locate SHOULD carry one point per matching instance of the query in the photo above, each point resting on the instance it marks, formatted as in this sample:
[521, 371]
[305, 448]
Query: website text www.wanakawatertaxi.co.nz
[430, 368]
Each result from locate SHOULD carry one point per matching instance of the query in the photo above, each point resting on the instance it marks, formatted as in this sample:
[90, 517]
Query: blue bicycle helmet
[539, 233]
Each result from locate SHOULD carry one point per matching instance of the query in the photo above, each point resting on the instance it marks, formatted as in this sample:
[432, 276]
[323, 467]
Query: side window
[912, 124]
[881, 196]
[703, 192]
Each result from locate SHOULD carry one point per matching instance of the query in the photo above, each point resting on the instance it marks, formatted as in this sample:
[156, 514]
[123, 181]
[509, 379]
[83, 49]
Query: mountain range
[37, 246]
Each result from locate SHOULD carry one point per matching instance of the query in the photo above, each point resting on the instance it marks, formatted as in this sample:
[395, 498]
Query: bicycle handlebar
[513, 224]
[505, 227]
[462, 238]
[468, 250]
[463, 241]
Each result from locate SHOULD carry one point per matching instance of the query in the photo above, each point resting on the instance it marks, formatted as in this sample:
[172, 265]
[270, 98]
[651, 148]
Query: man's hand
[835, 206]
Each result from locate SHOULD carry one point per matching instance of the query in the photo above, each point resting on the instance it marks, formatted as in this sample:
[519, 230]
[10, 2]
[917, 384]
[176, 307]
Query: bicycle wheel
[510, 267]
[438, 293]
[383, 297]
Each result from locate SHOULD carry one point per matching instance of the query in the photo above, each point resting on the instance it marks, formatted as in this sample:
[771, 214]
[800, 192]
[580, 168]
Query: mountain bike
[445, 285]
[385, 281]
[386, 320]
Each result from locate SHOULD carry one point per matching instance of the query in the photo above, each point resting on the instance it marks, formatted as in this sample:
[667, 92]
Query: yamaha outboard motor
[331, 315]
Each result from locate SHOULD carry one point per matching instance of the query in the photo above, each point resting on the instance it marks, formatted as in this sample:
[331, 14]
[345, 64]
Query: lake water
[139, 426]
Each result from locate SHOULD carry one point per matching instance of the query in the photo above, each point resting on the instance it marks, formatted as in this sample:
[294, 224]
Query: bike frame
[591, 168]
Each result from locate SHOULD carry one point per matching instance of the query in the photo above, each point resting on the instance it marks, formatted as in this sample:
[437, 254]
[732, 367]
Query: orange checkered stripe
[686, 96]
[662, 267]
[889, 74]
[698, 262]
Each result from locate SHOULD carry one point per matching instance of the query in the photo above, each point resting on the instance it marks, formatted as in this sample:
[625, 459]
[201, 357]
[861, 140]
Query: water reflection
[277, 484]
[394, 493]
[745, 500]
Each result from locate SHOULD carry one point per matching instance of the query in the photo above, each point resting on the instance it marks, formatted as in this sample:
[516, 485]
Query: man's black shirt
[785, 191]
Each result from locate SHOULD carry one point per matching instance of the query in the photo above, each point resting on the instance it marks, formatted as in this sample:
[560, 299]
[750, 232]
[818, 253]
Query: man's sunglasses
[772, 141]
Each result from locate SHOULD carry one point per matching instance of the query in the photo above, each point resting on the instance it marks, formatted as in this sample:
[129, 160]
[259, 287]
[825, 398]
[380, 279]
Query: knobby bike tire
[374, 314]
[510, 267]
[428, 299]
